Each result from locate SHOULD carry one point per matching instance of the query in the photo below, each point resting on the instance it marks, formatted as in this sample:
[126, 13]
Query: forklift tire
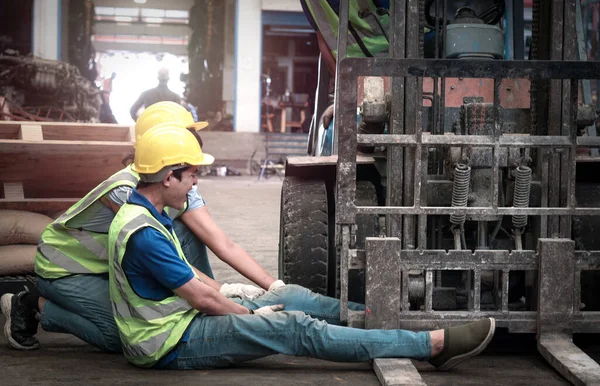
[303, 234]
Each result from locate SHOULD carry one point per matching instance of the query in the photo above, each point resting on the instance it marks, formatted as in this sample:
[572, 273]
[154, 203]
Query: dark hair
[177, 173]
[197, 136]
[128, 160]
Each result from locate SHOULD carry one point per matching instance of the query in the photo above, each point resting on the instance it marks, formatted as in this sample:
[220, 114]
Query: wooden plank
[325, 160]
[65, 147]
[9, 130]
[91, 133]
[54, 164]
[63, 175]
[31, 132]
[44, 205]
[397, 372]
[75, 131]
[13, 190]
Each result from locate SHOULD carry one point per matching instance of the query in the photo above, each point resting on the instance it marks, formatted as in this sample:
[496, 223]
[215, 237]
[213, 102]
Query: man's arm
[208, 300]
[212, 283]
[136, 106]
[203, 226]
[149, 253]
[117, 197]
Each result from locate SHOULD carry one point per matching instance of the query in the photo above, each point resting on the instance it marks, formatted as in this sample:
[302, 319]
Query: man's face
[177, 190]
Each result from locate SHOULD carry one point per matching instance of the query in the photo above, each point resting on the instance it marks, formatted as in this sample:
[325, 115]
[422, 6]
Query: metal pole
[341, 54]
[518, 30]
[395, 154]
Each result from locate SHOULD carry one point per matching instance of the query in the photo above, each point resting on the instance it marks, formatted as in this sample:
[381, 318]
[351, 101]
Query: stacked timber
[45, 167]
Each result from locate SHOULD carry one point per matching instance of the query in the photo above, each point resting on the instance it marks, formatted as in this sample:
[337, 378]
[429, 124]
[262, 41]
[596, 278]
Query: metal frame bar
[481, 260]
[351, 68]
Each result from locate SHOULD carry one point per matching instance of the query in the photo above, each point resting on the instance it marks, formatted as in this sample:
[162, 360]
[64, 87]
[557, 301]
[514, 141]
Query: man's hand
[244, 291]
[268, 310]
[276, 284]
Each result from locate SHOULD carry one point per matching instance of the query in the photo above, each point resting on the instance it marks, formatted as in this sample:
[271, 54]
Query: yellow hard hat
[163, 112]
[168, 144]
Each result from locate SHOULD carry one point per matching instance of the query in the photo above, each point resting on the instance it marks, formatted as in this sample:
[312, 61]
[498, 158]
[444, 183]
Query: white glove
[244, 291]
[268, 310]
[276, 284]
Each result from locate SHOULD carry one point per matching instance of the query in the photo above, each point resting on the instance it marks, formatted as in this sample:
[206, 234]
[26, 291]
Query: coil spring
[460, 191]
[521, 197]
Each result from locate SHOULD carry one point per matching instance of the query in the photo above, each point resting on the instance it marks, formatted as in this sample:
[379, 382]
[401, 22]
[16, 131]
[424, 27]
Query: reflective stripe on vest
[367, 31]
[62, 260]
[147, 347]
[149, 312]
[64, 251]
[149, 329]
[88, 241]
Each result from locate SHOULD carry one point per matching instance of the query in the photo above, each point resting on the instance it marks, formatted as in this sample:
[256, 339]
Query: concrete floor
[248, 211]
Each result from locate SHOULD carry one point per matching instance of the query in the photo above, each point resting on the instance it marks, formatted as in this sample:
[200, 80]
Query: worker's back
[160, 93]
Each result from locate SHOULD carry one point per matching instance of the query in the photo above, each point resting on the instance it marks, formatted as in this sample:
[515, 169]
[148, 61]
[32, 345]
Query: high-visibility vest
[365, 37]
[149, 329]
[65, 251]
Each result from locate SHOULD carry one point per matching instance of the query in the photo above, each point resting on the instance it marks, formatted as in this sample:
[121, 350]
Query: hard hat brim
[198, 125]
[207, 160]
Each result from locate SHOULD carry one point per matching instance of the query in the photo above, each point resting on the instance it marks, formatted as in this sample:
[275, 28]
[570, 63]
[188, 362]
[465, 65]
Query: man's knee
[292, 317]
[292, 288]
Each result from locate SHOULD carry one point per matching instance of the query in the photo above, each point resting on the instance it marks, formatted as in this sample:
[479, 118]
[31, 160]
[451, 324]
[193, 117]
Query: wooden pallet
[45, 167]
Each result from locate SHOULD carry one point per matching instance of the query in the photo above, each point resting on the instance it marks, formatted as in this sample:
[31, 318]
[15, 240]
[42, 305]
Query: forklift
[461, 182]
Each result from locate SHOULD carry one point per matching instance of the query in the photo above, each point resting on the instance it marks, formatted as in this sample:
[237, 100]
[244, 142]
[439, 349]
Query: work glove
[276, 284]
[269, 310]
[238, 290]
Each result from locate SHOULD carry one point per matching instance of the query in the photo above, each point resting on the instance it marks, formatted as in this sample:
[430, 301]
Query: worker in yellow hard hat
[171, 315]
[71, 261]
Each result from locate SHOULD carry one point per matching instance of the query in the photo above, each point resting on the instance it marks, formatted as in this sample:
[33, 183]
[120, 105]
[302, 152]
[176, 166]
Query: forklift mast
[512, 159]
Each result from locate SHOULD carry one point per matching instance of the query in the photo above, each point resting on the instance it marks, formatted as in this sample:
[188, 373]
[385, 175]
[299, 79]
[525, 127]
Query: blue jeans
[80, 305]
[221, 341]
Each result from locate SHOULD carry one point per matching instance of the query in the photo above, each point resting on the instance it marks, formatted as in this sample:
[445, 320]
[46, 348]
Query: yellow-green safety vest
[149, 329]
[65, 251]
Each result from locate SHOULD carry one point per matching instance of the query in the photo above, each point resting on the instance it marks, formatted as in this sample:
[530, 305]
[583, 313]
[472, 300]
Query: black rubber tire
[303, 234]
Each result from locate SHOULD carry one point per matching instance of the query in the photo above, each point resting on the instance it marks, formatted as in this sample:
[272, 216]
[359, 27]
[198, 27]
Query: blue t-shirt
[151, 262]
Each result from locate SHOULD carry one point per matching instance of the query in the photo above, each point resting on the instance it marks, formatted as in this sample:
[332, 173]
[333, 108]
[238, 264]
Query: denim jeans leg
[221, 341]
[193, 248]
[297, 298]
[80, 305]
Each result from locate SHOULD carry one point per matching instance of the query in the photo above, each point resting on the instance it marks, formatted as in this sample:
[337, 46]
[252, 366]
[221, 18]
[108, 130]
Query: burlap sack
[17, 259]
[20, 227]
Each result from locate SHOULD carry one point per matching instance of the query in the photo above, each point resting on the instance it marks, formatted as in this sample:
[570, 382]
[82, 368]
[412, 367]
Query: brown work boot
[464, 342]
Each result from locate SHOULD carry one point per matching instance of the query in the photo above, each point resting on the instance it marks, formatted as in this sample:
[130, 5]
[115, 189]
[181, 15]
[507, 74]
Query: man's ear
[167, 180]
